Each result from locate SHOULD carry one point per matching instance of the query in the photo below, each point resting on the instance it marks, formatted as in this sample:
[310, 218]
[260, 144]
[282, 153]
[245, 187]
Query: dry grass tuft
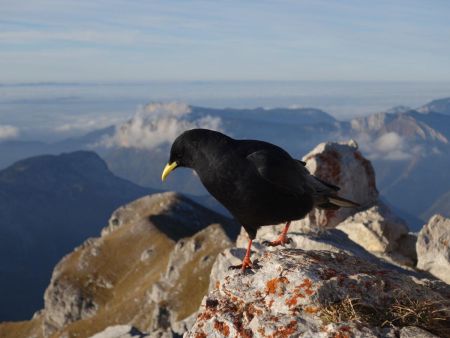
[347, 310]
[430, 315]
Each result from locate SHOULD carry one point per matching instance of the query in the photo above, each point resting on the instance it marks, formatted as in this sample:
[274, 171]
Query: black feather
[258, 182]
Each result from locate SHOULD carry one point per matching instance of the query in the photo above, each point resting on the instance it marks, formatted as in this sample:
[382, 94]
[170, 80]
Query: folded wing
[291, 175]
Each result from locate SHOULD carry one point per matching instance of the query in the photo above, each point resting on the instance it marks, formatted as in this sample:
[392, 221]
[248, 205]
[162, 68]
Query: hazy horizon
[55, 111]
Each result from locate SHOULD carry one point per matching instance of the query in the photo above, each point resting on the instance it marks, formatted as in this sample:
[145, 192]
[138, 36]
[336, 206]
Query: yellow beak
[167, 169]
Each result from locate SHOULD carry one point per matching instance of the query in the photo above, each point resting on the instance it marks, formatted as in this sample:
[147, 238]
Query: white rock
[288, 291]
[343, 165]
[65, 303]
[333, 240]
[376, 229]
[120, 331]
[433, 247]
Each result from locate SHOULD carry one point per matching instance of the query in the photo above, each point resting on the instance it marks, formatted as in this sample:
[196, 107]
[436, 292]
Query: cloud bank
[8, 132]
[156, 124]
[389, 146]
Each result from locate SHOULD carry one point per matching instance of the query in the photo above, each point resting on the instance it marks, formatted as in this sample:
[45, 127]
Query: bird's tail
[336, 202]
[326, 195]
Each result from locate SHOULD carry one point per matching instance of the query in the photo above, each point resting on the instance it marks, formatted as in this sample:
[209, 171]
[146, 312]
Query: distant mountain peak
[437, 106]
[398, 109]
[406, 123]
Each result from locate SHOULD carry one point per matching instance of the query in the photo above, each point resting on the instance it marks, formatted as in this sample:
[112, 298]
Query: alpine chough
[258, 182]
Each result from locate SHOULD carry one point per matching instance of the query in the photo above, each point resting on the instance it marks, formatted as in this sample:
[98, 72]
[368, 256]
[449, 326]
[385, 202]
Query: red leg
[246, 262]
[282, 239]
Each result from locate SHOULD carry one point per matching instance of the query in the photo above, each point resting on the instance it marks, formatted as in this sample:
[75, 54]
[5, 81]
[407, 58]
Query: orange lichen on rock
[292, 301]
[287, 331]
[299, 292]
[274, 285]
[311, 310]
[306, 283]
[205, 315]
[341, 335]
[222, 328]
[200, 335]
[307, 287]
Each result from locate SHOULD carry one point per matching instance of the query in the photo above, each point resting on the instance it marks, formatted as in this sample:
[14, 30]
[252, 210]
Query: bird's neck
[210, 154]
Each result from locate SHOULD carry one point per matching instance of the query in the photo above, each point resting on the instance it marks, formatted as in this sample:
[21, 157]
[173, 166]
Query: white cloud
[8, 132]
[156, 124]
[389, 142]
[389, 146]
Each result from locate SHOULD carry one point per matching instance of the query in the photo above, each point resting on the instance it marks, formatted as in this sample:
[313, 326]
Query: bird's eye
[178, 156]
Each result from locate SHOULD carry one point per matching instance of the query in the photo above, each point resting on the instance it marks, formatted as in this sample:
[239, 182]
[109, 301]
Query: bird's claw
[279, 241]
[246, 264]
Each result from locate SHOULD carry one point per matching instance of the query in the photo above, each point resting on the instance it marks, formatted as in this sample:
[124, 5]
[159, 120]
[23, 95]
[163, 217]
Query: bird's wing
[280, 170]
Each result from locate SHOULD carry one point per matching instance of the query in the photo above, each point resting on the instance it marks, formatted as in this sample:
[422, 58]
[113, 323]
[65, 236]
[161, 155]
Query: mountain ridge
[48, 205]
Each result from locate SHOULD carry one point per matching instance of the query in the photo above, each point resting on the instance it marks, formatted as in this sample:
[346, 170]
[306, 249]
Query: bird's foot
[246, 264]
[282, 240]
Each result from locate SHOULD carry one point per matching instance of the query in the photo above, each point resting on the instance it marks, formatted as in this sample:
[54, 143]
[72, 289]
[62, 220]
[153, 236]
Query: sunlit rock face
[343, 165]
[121, 331]
[382, 233]
[292, 292]
[433, 247]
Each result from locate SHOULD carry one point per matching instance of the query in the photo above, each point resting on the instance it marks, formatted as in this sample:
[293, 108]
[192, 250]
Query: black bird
[258, 182]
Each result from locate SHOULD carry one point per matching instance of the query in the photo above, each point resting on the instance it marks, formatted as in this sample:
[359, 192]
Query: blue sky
[145, 40]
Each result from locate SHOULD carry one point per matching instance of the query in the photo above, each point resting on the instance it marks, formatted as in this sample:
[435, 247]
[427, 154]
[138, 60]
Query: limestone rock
[332, 240]
[376, 229]
[293, 293]
[65, 303]
[120, 331]
[179, 292]
[433, 247]
[343, 165]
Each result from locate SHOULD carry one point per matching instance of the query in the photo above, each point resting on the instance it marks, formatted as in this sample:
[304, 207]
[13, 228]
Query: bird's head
[187, 149]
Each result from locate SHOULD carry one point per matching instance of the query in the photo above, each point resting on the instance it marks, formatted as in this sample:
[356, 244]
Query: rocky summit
[298, 293]
[161, 269]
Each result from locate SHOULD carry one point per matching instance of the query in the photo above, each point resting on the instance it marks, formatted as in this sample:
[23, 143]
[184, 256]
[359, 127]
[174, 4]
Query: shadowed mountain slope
[48, 205]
